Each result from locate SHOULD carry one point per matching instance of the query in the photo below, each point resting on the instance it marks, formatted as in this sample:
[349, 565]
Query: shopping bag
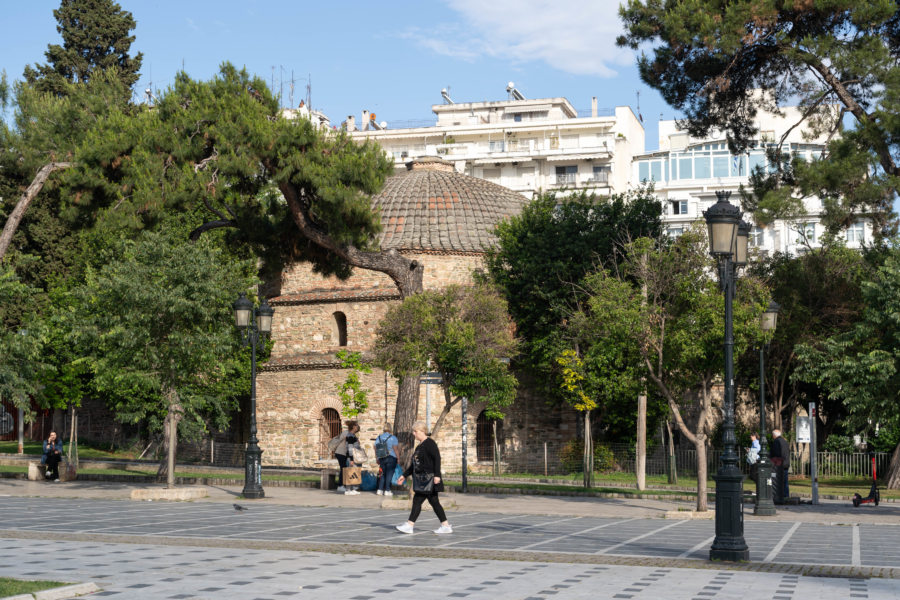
[369, 482]
[397, 473]
[352, 475]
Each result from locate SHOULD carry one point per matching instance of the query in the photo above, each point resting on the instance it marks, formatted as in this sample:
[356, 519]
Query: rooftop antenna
[513, 92]
[309, 90]
[445, 94]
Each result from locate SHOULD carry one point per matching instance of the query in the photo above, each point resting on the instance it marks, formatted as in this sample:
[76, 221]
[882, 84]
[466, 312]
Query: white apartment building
[686, 172]
[524, 145]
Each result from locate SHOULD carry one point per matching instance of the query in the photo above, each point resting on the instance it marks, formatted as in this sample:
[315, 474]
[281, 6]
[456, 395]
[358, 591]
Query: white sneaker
[341, 489]
[57, 479]
[405, 528]
[351, 493]
[379, 492]
[443, 529]
[388, 493]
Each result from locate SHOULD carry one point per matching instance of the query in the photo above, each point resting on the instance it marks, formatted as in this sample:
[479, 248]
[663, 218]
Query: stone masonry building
[444, 219]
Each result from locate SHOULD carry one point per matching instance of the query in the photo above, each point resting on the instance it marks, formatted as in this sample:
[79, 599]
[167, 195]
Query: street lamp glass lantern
[243, 310]
[264, 317]
[722, 218]
[741, 242]
[769, 318]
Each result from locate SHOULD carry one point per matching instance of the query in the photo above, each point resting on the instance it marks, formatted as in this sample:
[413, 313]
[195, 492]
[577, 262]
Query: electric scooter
[874, 496]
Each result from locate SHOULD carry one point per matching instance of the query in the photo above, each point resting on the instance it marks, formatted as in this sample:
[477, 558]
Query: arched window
[484, 436]
[340, 328]
[329, 426]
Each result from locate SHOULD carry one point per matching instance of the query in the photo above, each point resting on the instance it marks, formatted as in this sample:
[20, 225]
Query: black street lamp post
[254, 324]
[765, 505]
[728, 244]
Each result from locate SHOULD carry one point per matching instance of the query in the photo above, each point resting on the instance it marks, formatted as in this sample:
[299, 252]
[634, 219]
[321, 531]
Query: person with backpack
[341, 445]
[386, 455]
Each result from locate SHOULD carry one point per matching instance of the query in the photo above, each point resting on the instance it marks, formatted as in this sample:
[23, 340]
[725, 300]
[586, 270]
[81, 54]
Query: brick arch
[316, 409]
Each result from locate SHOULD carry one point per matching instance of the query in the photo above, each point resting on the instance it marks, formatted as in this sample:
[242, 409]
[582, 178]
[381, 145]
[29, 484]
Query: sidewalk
[828, 512]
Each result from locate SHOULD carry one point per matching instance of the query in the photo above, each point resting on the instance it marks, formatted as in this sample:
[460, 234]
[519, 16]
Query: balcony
[565, 178]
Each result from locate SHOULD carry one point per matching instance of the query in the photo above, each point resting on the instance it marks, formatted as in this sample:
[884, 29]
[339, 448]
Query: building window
[757, 237]
[701, 166]
[807, 233]
[720, 165]
[674, 232]
[329, 426]
[643, 171]
[684, 168]
[492, 175]
[600, 174]
[497, 146]
[484, 436]
[856, 233]
[340, 328]
[566, 175]
[679, 207]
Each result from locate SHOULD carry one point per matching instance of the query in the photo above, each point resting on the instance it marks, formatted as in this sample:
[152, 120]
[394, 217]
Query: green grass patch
[571, 489]
[85, 451]
[14, 587]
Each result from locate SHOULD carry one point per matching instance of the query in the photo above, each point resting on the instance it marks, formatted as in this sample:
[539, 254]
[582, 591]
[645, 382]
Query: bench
[329, 479]
[38, 472]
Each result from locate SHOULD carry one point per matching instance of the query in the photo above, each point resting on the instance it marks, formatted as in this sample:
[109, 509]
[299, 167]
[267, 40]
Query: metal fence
[551, 458]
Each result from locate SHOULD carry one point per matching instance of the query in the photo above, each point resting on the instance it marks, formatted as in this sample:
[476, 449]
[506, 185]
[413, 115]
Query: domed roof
[432, 207]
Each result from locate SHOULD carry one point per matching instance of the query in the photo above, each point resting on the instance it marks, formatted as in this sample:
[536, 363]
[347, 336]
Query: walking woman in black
[425, 469]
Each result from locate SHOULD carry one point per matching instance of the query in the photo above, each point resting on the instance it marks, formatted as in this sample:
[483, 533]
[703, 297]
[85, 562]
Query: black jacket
[426, 459]
[781, 449]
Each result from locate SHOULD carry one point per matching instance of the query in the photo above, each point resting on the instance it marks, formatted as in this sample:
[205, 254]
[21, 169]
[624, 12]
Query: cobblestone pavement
[150, 572]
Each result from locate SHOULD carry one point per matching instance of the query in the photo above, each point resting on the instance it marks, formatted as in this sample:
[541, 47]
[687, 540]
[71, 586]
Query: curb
[59, 593]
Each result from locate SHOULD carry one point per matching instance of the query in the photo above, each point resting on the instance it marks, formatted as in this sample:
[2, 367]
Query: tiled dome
[432, 207]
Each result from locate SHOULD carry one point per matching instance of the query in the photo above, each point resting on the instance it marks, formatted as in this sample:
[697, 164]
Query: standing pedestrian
[386, 455]
[347, 439]
[753, 456]
[425, 469]
[781, 458]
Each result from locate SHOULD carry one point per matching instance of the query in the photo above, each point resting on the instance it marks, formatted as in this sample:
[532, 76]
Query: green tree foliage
[462, 332]
[22, 339]
[671, 313]
[157, 327]
[861, 366]
[819, 293]
[544, 253]
[837, 59]
[95, 35]
[354, 398]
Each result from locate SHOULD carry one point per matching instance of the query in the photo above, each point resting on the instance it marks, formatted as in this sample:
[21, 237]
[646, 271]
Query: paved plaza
[271, 550]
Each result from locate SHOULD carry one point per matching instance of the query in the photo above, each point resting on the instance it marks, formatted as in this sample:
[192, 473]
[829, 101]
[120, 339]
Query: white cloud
[575, 36]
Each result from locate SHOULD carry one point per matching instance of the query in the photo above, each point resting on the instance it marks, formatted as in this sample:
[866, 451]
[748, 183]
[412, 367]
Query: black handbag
[423, 482]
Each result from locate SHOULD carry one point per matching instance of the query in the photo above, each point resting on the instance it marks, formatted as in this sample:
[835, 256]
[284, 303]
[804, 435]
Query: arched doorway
[329, 426]
[484, 436]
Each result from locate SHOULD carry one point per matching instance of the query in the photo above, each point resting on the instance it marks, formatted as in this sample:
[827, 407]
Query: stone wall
[290, 405]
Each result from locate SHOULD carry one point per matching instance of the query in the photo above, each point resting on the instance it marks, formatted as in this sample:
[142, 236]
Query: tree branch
[12, 223]
[196, 233]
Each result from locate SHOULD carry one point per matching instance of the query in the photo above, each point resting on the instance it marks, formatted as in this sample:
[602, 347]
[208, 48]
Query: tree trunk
[588, 461]
[673, 471]
[496, 449]
[640, 459]
[405, 416]
[893, 472]
[700, 445]
[170, 440]
[15, 217]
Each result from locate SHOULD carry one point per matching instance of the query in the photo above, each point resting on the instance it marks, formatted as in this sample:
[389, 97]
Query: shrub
[839, 443]
[571, 457]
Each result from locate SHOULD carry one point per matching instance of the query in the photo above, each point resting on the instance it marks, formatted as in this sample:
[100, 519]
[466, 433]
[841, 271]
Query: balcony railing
[565, 178]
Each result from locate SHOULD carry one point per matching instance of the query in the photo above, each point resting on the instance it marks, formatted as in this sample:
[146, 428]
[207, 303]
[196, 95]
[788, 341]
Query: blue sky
[391, 58]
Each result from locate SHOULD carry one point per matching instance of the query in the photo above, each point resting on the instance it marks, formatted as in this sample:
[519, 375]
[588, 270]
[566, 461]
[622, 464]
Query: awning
[567, 157]
[503, 160]
[512, 110]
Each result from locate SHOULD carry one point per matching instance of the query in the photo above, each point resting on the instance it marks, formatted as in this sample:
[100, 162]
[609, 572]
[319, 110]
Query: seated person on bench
[52, 456]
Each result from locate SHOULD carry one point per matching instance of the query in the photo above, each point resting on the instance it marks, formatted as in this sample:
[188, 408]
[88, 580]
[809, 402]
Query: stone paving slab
[195, 573]
[870, 548]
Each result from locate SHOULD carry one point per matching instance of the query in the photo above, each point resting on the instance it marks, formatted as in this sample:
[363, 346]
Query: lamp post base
[765, 506]
[253, 473]
[729, 544]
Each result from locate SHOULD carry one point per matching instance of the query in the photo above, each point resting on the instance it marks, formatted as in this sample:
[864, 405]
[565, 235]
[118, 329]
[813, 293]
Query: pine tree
[95, 37]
